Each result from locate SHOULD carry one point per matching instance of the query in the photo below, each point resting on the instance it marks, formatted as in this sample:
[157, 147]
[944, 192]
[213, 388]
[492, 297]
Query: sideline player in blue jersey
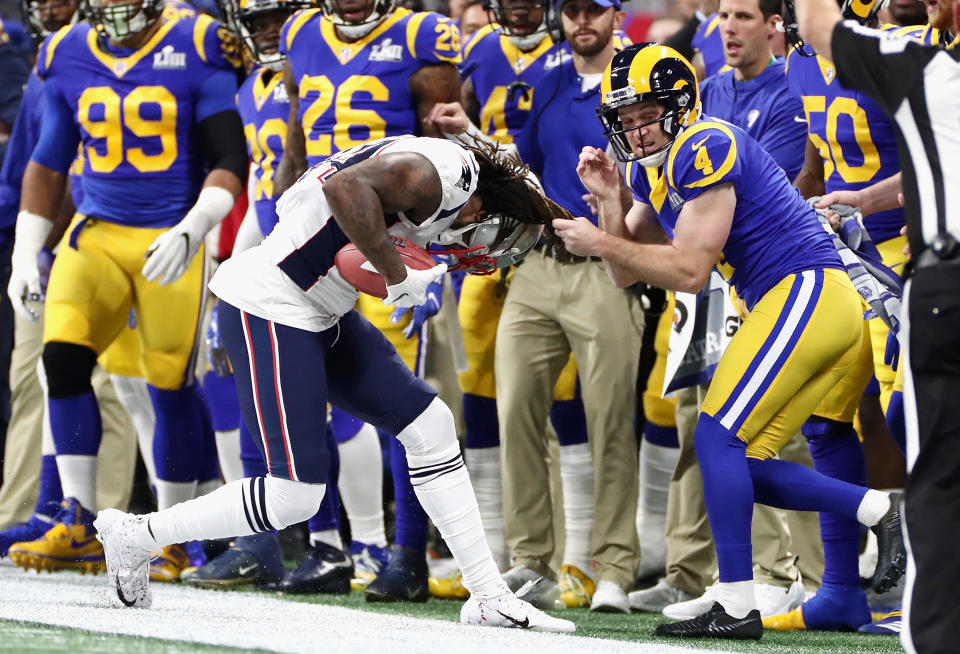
[707, 42]
[706, 195]
[356, 71]
[120, 90]
[289, 324]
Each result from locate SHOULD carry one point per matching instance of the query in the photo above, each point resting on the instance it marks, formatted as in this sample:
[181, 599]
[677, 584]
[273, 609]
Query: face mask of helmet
[32, 12]
[381, 9]
[672, 84]
[524, 42]
[246, 19]
[494, 243]
[123, 21]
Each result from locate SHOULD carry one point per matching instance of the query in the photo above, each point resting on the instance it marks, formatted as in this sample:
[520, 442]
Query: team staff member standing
[917, 86]
[552, 309]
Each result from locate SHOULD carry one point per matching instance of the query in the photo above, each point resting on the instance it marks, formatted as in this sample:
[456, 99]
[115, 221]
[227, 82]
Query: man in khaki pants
[552, 309]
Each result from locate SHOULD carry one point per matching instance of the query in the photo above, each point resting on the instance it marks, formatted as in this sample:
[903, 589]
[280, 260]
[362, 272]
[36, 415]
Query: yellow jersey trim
[119, 66]
[263, 91]
[714, 22]
[345, 52]
[658, 187]
[54, 42]
[200, 31]
[412, 28]
[478, 36]
[298, 22]
[520, 60]
[688, 133]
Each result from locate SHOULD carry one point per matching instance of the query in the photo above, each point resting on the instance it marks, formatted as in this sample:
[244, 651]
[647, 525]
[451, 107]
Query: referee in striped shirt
[919, 88]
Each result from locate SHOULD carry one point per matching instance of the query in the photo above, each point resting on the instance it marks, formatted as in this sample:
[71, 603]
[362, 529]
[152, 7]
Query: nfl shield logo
[344, 54]
[119, 67]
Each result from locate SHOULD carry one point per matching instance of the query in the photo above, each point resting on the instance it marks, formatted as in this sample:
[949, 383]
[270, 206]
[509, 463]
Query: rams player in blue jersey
[139, 92]
[706, 195]
[359, 70]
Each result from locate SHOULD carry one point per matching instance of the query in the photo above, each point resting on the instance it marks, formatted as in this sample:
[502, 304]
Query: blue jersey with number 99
[135, 114]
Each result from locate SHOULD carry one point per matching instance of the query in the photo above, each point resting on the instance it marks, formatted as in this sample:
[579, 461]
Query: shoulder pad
[702, 155]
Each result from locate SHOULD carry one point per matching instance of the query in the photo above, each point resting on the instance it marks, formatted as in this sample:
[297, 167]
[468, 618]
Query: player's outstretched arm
[360, 195]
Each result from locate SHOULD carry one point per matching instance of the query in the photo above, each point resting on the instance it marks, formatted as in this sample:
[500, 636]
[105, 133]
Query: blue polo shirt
[25, 134]
[562, 120]
[765, 108]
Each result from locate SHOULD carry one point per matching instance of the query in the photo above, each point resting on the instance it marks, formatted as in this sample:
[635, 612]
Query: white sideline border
[254, 621]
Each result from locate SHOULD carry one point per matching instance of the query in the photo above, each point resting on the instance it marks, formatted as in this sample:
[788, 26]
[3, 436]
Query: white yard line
[248, 620]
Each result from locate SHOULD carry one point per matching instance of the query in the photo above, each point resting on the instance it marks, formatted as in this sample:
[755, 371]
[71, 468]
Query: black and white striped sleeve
[883, 65]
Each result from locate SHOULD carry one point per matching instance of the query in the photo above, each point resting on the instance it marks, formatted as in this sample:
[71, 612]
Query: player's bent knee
[432, 435]
[288, 502]
[68, 367]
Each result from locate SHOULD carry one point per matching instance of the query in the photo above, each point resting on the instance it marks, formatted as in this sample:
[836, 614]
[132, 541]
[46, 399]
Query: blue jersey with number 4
[774, 233]
[135, 115]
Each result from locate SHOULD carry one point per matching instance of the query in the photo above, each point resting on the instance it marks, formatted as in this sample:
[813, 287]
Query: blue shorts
[285, 377]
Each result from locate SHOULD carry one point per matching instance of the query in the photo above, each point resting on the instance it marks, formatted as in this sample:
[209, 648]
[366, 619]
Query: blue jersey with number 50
[135, 115]
[855, 138]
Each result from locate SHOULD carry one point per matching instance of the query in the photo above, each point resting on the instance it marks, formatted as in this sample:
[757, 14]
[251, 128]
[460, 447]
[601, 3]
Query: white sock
[329, 536]
[237, 509]
[228, 454]
[207, 487]
[78, 478]
[446, 495]
[873, 506]
[656, 469]
[736, 597]
[174, 492]
[576, 474]
[484, 467]
[135, 398]
[361, 486]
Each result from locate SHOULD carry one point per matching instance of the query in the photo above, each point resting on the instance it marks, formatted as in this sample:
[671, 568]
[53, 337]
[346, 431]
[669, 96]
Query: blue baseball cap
[602, 3]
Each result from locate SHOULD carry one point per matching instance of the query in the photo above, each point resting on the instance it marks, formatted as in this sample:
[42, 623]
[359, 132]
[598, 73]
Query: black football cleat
[715, 623]
[403, 579]
[891, 553]
[326, 570]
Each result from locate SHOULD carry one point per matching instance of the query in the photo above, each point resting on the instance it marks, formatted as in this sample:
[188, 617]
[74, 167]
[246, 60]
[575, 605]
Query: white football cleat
[128, 565]
[609, 598]
[511, 612]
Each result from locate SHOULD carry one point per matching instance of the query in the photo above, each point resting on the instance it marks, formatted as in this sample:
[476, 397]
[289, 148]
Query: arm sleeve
[881, 64]
[223, 142]
[59, 135]
[218, 93]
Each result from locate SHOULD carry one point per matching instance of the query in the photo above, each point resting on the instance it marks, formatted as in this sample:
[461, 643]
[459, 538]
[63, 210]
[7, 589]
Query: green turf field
[30, 637]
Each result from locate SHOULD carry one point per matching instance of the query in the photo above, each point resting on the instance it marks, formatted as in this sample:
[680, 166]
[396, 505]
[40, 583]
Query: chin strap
[472, 261]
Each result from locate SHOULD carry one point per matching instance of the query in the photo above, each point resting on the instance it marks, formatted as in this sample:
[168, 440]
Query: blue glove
[421, 312]
[891, 355]
[44, 264]
[216, 351]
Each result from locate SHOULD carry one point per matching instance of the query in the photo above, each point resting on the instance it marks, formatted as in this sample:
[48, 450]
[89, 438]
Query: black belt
[539, 247]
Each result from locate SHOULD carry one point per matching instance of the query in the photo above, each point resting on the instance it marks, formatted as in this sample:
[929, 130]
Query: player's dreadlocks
[507, 191]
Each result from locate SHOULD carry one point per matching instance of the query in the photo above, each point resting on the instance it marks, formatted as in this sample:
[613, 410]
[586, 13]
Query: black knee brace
[68, 368]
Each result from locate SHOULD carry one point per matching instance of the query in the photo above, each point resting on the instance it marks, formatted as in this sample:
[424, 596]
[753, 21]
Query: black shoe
[891, 553]
[715, 623]
[404, 579]
[326, 570]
